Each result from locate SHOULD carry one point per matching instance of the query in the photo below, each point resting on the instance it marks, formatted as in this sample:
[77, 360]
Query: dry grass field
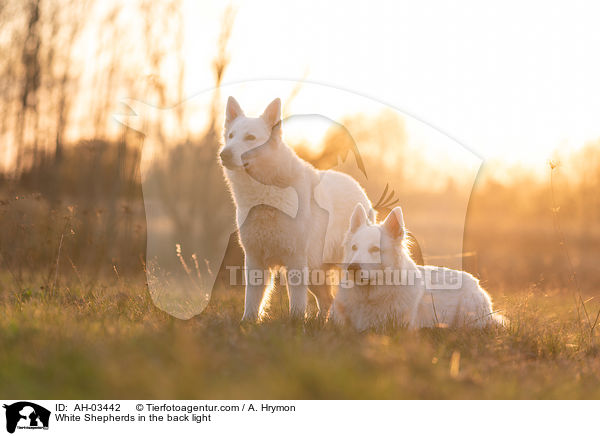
[111, 342]
[77, 321]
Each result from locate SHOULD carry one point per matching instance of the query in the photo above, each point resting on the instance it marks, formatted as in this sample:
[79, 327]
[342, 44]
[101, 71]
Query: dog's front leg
[297, 289]
[256, 283]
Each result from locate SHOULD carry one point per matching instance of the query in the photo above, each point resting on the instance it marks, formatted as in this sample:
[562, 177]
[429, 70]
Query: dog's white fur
[288, 213]
[373, 247]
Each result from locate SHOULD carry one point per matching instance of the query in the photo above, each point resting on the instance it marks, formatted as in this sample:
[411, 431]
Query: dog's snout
[226, 156]
[354, 267]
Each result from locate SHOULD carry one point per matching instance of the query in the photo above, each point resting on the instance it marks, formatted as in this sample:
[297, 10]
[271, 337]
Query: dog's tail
[414, 248]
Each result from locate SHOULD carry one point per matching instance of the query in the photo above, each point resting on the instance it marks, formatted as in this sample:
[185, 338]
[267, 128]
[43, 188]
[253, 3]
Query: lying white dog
[388, 288]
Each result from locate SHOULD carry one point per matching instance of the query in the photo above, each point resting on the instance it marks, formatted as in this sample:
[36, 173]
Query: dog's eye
[249, 138]
[230, 135]
[374, 250]
[354, 247]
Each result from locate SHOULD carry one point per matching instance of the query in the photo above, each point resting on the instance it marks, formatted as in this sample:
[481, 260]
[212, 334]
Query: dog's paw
[248, 319]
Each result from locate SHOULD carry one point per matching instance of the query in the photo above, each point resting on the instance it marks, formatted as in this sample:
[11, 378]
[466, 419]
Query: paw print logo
[294, 277]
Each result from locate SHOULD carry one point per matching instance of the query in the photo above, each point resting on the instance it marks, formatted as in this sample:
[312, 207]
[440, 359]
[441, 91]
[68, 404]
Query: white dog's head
[271, 163]
[243, 133]
[369, 246]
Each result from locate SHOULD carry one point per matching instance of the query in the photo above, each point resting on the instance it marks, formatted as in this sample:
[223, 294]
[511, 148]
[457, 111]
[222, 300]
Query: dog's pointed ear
[276, 133]
[372, 215]
[233, 110]
[272, 114]
[358, 219]
[394, 223]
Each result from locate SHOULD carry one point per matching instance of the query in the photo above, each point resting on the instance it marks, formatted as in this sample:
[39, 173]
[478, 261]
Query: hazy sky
[511, 79]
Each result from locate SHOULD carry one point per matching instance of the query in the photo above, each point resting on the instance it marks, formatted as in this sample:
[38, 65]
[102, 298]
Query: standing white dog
[288, 213]
[389, 288]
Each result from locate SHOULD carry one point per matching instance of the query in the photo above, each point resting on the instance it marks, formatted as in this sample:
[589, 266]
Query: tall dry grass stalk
[577, 292]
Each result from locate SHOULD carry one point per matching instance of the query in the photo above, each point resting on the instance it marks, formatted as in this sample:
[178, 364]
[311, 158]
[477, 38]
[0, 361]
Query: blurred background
[71, 198]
